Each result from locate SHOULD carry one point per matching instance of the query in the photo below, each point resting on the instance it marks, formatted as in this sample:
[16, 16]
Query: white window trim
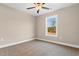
[56, 16]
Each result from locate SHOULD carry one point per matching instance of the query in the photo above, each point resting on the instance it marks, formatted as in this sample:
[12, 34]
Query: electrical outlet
[2, 39]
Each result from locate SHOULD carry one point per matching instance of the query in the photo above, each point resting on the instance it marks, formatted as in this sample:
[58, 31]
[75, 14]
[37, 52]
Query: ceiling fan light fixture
[38, 6]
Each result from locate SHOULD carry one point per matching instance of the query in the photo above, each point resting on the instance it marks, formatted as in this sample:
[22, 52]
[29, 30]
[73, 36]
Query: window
[51, 26]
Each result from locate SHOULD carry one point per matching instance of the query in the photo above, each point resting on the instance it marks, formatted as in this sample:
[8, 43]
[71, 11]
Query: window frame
[54, 16]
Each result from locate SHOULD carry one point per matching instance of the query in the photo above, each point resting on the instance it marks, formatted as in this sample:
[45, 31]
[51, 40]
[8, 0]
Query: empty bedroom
[39, 29]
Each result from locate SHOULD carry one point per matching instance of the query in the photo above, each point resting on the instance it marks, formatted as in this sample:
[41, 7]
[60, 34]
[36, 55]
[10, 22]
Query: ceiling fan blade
[43, 3]
[45, 8]
[30, 7]
[37, 11]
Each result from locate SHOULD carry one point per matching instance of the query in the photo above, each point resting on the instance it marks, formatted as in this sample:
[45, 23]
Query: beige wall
[15, 25]
[68, 25]
[18, 26]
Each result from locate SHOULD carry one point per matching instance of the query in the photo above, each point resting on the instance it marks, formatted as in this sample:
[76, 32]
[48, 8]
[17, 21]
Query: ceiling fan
[38, 7]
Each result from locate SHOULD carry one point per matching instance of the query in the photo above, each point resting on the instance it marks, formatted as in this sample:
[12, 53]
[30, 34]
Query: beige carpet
[38, 48]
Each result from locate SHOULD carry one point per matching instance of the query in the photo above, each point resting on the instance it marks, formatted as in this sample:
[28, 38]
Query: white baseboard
[60, 43]
[15, 43]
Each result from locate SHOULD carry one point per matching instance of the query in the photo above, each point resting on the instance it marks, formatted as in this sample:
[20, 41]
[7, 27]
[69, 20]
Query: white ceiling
[23, 6]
